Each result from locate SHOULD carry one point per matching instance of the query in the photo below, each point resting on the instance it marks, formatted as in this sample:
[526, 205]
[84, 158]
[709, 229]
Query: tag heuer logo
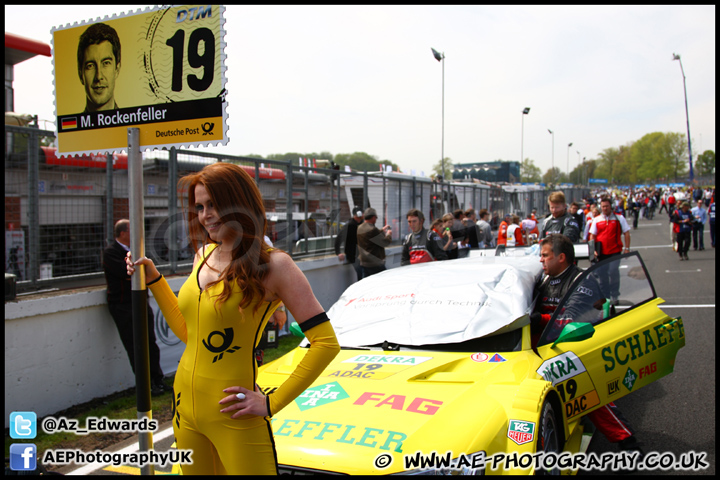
[320, 395]
[629, 379]
[520, 431]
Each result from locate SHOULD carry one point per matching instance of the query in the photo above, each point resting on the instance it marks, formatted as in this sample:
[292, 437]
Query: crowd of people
[451, 236]
[605, 217]
[689, 211]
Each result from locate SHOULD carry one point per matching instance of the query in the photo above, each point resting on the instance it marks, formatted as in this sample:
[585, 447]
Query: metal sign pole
[139, 293]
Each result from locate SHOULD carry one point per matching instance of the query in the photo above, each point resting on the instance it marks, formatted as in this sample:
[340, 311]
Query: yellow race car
[437, 373]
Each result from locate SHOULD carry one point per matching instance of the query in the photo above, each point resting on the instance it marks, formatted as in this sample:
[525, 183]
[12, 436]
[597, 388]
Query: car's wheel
[548, 438]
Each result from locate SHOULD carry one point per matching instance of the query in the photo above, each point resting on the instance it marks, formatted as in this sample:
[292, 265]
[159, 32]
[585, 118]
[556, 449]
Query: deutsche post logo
[227, 337]
[207, 128]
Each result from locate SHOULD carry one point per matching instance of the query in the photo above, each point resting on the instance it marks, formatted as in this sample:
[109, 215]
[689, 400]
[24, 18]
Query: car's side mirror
[296, 330]
[575, 332]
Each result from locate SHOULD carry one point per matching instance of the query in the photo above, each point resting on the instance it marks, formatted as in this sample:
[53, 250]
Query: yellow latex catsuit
[219, 354]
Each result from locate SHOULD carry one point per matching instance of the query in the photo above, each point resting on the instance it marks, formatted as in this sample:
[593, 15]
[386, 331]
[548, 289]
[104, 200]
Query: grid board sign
[160, 70]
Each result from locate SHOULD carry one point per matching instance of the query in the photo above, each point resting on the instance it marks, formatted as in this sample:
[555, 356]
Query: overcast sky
[363, 78]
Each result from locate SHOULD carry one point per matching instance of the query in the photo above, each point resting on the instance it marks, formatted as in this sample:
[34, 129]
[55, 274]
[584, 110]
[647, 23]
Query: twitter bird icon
[23, 425]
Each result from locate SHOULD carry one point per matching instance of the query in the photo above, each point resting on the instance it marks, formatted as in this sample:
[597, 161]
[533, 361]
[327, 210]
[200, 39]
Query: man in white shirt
[528, 224]
[701, 218]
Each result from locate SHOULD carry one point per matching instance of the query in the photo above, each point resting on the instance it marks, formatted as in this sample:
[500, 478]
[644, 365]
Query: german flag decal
[69, 123]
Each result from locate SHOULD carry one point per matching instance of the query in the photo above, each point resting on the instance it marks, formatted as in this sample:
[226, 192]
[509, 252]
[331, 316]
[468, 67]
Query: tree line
[359, 161]
[656, 157]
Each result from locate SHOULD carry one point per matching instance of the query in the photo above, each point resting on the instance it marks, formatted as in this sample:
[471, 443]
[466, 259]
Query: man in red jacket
[502, 229]
[671, 204]
[607, 230]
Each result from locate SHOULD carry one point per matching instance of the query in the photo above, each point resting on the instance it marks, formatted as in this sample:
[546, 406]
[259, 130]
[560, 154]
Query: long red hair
[240, 207]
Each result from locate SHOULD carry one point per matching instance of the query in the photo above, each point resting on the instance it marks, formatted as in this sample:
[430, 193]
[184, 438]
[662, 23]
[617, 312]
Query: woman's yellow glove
[323, 348]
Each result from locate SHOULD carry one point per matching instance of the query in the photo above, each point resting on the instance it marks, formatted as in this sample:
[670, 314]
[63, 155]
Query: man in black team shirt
[421, 245]
[560, 220]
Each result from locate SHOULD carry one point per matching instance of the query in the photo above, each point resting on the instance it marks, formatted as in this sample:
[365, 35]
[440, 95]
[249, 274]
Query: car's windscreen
[503, 342]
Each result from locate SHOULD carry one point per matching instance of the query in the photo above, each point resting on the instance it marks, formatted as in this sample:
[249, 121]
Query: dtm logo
[196, 13]
[23, 457]
[227, 338]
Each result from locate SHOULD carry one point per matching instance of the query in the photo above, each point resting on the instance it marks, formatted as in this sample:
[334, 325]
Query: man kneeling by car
[557, 256]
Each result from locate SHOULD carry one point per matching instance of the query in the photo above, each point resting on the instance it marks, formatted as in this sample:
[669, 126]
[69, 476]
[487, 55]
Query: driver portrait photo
[98, 58]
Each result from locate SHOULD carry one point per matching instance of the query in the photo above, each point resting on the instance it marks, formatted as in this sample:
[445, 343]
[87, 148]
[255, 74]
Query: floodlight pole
[138, 294]
[687, 116]
[440, 57]
[526, 110]
[552, 168]
[568, 160]
[584, 171]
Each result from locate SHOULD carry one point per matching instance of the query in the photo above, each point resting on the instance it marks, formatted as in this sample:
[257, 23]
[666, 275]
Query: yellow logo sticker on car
[388, 359]
[578, 405]
[373, 367]
[569, 375]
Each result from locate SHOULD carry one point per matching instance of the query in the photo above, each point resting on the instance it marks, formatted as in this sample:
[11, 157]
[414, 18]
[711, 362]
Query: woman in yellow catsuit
[236, 284]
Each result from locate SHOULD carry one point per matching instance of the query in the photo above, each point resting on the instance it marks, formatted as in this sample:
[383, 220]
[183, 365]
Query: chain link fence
[60, 212]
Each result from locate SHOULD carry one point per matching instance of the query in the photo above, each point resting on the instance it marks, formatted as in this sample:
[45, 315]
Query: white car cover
[438, 302]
